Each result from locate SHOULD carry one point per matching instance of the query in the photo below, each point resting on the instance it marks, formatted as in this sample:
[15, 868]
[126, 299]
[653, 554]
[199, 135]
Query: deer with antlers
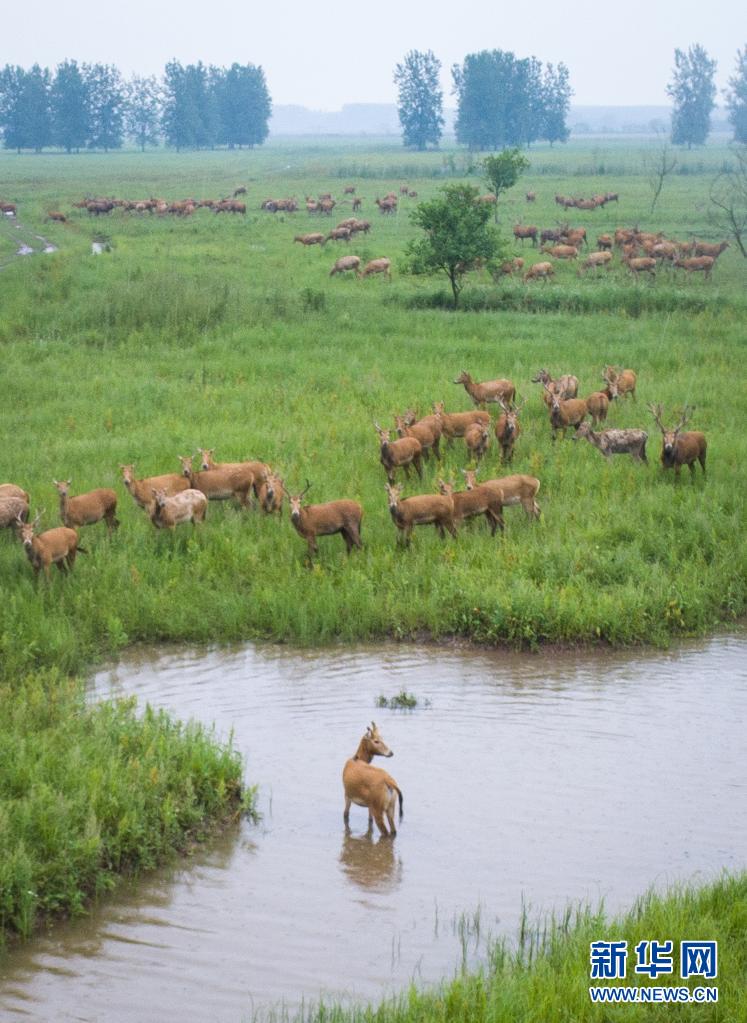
[677, 448]
[313, 520]
[507, 429]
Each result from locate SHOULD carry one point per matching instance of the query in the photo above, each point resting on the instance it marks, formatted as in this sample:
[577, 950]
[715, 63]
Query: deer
[598, 405]
[488, 391]
[565, 386]
[619, 385]
[422, 510]
[678, 449]
[167, 512]
[455, 424]
[565, 413]
[371, 787]
[13, 490]
[615, 442]
[57, 546]
[87, 509]
[399, 454]
[271, 493]
[313, 520]
[11, 509]
[426, 432]
[477, 439]
[507, 429]
[519, 489]
[235, 473]
[479, 500]
[142, 490]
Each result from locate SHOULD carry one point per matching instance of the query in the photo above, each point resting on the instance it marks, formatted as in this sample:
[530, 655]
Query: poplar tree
[693, 91]
[420, 99]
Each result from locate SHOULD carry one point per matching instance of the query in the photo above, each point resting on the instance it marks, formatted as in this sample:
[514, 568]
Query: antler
[656, 412]
[687, 412]
[305, 490]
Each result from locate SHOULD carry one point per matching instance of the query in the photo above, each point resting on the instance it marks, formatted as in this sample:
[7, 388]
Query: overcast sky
[323, 55]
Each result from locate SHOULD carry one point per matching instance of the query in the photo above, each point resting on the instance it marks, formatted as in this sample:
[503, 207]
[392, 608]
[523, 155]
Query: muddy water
[540, 778]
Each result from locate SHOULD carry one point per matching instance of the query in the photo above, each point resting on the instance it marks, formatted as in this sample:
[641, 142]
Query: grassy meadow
[220, 332]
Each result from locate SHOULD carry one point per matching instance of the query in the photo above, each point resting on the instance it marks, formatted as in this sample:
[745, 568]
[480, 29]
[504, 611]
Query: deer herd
[174, 498]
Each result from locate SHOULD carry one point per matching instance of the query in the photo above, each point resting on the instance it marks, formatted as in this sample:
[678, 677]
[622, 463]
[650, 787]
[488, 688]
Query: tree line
[503, 100]
[91, 106]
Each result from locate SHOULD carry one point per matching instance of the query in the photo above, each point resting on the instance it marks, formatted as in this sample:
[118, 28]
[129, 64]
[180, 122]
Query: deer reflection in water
[370, 863]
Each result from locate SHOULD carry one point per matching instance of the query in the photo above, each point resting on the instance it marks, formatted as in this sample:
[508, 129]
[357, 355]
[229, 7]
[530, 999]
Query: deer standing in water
[370, 786]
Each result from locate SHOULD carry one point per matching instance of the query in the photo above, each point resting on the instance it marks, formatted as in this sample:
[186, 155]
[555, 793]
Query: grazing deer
[315, 520]
[678, 449]
[371, 787]
[616, 442]
[11, 509]
[422, 510]
[507, 429]
[57, 546]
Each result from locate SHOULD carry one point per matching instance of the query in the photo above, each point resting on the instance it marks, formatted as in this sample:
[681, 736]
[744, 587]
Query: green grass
[545, 974]
[89, 792]
[222, 333]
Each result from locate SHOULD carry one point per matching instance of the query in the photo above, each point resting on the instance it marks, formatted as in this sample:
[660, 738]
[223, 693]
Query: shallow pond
[542, 778]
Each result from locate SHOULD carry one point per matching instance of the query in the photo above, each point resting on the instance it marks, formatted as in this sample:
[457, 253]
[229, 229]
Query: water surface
[542, 778]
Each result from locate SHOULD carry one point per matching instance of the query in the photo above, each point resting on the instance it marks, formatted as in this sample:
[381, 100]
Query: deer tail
[401, 802]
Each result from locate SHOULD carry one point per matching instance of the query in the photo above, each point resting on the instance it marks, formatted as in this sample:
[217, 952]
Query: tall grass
[88, 792]
[544, 975]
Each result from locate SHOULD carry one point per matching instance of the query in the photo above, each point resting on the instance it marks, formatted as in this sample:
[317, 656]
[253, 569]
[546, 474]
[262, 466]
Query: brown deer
[598, 405]
[422, 510]
[142, 490]
[313, 520]
[426, 432]
[371, 787]
[565, 413]
[477, 438]
[11, 510]
[519, 489]
[399, 454]
[87, 509]
[678, 449]
[489, 390]
[479, 500]
[620, 384]
[455, 424]
[57, 546]
[237, 471]
[507, 430]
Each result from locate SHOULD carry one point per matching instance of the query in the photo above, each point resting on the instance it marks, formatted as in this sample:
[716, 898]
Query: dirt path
[27, 242]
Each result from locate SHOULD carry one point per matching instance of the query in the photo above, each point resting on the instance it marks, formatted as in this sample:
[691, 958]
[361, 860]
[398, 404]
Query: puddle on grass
[542, 778]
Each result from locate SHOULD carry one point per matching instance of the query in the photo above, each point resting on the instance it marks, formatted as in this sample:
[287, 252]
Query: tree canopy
[506, 101]
[420, 99]
[736, 97]
[456, 236]
[693, 91]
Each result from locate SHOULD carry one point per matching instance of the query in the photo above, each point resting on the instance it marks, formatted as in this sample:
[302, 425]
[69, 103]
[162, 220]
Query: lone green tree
[456, 236]
[694, 93]
[736, 97]
[420, 100]
[502, 171]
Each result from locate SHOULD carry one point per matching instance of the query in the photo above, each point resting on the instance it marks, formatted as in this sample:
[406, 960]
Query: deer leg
[346, 813]
[418, 466]
[379, 818]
